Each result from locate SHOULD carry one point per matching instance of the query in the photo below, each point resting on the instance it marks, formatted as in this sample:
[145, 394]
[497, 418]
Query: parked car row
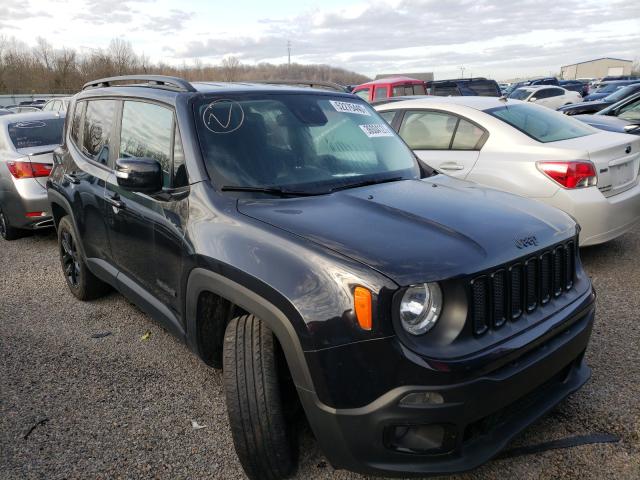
[58, 104]
[399, 275]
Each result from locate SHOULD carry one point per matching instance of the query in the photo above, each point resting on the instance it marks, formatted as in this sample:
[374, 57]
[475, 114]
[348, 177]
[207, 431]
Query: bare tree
[122, 55]
[230, 68]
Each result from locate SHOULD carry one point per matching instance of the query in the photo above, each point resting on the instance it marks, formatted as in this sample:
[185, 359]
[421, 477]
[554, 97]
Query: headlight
[420, 308]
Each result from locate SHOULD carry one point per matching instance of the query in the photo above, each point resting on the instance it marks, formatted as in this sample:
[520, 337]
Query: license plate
[623, 174]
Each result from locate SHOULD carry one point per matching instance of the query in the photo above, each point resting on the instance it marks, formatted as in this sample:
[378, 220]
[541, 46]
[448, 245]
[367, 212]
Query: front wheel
[82, 283]
[254, 387]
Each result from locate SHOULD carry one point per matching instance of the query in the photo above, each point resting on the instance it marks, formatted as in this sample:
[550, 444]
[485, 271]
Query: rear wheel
[82, 283]
[256, 390]
[7, 231]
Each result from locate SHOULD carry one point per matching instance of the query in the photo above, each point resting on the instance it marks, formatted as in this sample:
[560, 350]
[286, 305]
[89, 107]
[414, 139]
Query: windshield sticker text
[347, 107]
[374, 130]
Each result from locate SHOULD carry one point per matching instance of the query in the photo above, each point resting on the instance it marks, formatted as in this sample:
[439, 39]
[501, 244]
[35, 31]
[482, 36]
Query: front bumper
[601, 218]
[481, 415]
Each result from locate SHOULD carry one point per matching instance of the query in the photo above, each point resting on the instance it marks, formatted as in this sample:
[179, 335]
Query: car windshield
[36, 133]
[630, 112]
[519, 94]
[621, 93]
[540, 123]
[610, 88]
[298, 142]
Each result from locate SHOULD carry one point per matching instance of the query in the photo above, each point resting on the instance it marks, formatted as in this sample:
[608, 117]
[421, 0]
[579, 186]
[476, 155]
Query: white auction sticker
[373, 130]
[348, 107]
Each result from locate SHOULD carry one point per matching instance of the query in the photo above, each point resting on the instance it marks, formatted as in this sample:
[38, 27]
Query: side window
[97, 130]
[180, 178]
[428, 130]
[56, 106]
[363, 94]
[380, 92]
[388, 115]
[47, 106]
[146, 132]
[555, 92]
[542, 93]
[467, 136]
[75, 122]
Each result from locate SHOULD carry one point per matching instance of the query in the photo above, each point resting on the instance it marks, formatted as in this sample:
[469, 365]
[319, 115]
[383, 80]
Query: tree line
[45, 69]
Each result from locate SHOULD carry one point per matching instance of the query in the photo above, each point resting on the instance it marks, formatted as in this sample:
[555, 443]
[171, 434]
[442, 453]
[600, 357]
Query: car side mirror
[139, 174]
[532, 99]
[631, 128]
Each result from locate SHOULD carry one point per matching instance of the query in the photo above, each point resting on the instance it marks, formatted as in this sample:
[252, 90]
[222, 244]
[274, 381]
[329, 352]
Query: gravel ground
[121, 407]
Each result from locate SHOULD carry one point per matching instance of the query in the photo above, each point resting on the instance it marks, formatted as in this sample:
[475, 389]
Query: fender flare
[201, 280]
[56, 197]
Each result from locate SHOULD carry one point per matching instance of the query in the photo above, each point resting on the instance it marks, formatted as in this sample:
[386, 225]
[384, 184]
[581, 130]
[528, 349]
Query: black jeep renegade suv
[289, 236]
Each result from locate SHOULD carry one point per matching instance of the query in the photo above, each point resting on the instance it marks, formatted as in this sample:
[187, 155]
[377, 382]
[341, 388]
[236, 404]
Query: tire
[7, 231]
[253, 382]
[83, 284]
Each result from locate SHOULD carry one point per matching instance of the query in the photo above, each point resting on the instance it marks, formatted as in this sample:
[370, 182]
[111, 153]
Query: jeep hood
[418, 230]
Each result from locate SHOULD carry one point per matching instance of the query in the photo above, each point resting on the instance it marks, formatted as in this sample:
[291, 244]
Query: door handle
[71, 178]
[115, 201]
[451, 166]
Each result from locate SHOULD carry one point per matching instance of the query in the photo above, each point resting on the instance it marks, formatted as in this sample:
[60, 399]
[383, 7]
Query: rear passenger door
[444, 141]
[87, 166]
[147, 231]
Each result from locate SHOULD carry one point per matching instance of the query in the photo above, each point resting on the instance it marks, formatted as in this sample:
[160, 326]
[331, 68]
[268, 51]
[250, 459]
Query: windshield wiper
[365, 183]
[271, 190]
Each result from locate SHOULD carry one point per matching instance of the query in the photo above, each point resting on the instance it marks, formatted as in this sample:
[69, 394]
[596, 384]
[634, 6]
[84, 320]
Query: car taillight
[570, 174]
[29, 169]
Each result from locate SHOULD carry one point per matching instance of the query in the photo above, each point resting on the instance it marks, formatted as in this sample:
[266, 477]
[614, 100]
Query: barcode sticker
[348, 107]
[374, 130]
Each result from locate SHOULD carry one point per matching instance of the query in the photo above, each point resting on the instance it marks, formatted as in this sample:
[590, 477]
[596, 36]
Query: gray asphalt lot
[119, 406]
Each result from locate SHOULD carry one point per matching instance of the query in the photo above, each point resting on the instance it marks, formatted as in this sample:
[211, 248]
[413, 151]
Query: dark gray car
[27, 141]
[623, 117]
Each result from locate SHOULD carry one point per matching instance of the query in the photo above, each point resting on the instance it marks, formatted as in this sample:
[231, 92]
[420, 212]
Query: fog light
[416, 399]
[422, 439]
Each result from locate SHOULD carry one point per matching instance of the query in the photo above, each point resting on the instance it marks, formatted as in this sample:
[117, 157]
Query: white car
[530, 151]
[546, 95]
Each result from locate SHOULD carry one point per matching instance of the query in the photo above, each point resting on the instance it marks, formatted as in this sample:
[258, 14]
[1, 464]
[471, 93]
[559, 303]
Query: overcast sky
[487, 37]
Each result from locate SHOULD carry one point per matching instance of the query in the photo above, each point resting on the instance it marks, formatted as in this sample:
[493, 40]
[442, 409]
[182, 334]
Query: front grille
[521, 287]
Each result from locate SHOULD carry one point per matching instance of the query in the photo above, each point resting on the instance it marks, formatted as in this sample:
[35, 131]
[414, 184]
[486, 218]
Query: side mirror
[139, 174]
[533, 99]
[632, 127]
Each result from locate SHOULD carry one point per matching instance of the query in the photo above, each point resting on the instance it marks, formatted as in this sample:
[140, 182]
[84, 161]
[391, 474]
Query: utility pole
[462, 71]
[289, 52]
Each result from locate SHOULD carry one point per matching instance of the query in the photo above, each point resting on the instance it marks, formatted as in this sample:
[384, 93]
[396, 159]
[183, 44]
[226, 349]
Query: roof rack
[306, 83]
[457, 79]
[160, 81]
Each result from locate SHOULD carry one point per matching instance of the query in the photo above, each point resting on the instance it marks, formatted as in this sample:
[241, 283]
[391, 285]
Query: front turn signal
[362, 304]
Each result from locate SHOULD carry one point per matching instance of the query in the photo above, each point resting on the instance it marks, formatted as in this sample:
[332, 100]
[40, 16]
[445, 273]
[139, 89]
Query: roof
[28, 116]
[597, 59]
[160, 93]
[387, 80]
[477, 103]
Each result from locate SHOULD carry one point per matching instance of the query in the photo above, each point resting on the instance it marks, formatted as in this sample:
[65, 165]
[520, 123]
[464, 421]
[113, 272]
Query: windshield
[520, 94]
[630, 112]
[311, 143]
[36, 133]
[621, 93]
[609, 88]
[540, 123]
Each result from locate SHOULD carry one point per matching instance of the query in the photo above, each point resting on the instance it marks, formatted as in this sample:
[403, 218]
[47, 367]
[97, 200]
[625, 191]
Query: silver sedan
[27, 141]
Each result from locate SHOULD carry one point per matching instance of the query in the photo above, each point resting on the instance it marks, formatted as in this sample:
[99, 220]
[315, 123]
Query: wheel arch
[206, 282]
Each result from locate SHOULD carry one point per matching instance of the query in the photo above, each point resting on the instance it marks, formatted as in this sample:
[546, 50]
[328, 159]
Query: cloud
[171, 23]
[18, 9]
[101, 12]
[418, 33]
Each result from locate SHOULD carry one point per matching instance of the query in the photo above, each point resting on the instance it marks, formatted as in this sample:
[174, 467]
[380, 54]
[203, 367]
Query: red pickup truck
[390, 87]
